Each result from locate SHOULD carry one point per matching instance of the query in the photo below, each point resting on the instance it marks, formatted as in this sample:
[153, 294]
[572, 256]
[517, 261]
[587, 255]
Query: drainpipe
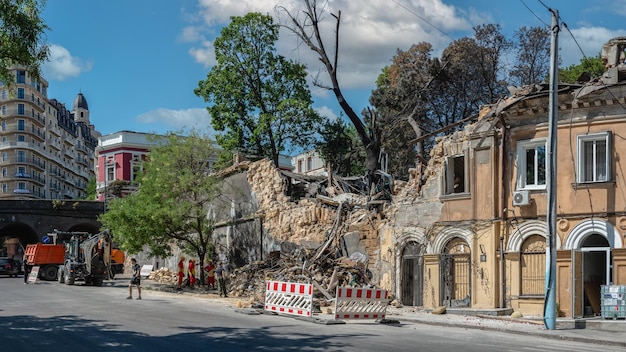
[502, 275]
[504, 213]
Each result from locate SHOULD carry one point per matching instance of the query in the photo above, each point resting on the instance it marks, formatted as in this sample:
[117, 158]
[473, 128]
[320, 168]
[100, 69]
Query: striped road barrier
[361, 303]
[289, 298]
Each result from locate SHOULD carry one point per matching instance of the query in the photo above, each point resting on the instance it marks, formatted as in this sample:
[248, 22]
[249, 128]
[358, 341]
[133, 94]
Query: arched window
[533, 266]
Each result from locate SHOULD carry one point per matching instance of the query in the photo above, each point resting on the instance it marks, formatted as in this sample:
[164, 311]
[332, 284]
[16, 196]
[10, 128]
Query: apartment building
[477, 234]
[46, 150]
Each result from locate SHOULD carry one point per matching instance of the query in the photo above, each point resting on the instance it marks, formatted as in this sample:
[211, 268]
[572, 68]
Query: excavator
[87, 258]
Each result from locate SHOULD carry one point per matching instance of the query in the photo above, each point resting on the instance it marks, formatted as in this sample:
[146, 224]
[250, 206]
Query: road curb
[542, 333]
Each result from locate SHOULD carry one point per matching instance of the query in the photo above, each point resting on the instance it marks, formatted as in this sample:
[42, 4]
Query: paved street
[49, 316]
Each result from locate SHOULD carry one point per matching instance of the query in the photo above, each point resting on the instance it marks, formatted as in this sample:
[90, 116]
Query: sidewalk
[599, 331]
[594, 330]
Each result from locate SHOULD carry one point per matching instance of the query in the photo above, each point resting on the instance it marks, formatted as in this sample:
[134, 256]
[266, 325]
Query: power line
[531, 11]
[422, 18]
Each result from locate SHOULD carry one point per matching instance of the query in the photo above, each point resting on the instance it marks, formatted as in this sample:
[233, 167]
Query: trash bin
[613, 301]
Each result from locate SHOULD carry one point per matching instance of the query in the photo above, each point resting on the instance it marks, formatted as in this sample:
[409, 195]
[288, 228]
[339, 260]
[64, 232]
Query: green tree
[259, 99]
[588, 68]
[175, 194]
[90, 190]
[340, 146]
[418, 94]
[21, 38]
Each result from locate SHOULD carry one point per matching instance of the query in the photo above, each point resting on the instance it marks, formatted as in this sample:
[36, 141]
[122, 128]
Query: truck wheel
[69, 280]
[50, 273]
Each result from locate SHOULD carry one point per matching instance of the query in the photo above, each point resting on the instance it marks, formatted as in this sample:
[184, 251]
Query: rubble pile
[304, 211]
[323, 268]
[163, 276]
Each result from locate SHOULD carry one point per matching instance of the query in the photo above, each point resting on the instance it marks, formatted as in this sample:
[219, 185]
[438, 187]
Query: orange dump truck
[117, 261]
[47, 256]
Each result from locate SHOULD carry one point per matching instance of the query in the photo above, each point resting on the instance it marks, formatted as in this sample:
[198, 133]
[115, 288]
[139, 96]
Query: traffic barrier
[360, 303]
[289, 298]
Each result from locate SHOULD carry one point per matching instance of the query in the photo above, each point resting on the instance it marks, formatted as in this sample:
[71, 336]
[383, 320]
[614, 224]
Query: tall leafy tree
[258, 99]
[430, 94]
[400, 99]
[533, 56]
[340, 146]
[588, 68]
[175, 194]
[21, 37]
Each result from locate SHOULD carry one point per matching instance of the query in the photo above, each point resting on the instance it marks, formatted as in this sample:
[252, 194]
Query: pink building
[119, 162]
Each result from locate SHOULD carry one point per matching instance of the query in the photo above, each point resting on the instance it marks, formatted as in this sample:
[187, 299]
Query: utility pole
[549, 309]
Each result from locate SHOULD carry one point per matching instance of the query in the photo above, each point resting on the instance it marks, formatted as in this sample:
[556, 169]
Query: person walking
[220, 272]
[135, 279]
[181, 273]
[210, 280]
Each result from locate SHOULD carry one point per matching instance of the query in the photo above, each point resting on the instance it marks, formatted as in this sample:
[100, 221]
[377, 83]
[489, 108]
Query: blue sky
[137, 62]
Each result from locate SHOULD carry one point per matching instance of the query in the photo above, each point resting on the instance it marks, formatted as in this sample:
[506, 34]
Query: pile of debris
[163, 276]
[324, 268]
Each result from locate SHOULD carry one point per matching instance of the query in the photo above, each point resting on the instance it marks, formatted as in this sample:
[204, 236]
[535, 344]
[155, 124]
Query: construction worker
[210, 280]
[191, 272]
[181, 273]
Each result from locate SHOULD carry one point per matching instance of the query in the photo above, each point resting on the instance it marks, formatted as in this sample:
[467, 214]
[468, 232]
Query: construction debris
[324, 270]
[163, 276]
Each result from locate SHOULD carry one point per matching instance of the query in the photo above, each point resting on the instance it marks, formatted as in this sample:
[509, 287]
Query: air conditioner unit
[521, 198]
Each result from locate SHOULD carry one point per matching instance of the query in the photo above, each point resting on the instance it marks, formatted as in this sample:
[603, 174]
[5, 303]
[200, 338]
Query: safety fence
[360, 303]
[289, 298]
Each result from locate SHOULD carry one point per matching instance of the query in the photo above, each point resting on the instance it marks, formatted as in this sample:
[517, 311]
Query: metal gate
[455, 280]
[412, 278]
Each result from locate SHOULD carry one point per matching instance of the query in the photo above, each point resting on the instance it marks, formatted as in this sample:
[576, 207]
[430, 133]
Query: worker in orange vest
[181, 273]
[191, 272]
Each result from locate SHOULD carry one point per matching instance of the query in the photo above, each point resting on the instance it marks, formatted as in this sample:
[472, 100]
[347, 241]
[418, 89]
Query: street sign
[34, 274]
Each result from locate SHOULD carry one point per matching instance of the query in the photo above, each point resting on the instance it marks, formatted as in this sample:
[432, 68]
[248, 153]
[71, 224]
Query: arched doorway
[596, 258]
[412, 278]
[13, 239]
[455, 268]
[591, 242]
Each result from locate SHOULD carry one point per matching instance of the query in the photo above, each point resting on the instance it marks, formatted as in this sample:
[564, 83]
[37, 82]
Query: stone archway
[455, 267]
[15, 237]
[593, 226]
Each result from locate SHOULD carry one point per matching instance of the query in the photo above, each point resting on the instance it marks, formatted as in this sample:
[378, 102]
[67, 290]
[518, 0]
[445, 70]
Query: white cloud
[371, 31]
[326, 112]
[190, 34]
[197, 118]
[61, 64]
[205, 54]
[590, 40]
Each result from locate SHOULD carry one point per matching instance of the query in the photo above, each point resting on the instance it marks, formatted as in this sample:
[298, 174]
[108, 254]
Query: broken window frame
[456, 166]
[594, 163]
[523, 149]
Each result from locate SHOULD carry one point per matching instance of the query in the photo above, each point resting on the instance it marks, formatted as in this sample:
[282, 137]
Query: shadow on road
[72, 333]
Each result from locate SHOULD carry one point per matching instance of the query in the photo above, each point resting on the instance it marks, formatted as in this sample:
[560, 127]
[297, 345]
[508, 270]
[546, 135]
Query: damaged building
[472, 233]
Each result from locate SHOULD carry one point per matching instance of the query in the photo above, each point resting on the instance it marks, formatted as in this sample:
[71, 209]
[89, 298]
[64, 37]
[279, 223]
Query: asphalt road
[48, 316]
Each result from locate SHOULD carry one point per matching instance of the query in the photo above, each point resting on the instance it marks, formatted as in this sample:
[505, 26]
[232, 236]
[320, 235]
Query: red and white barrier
[360, 303]
[289, 298]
